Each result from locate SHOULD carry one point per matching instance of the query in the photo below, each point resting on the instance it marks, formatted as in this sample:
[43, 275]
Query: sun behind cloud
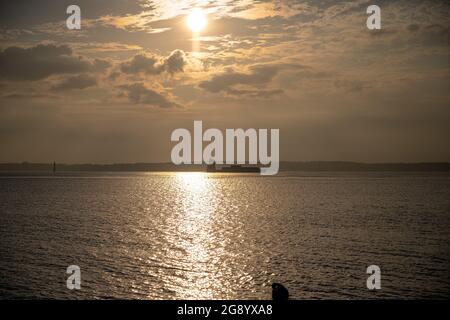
[196, 20]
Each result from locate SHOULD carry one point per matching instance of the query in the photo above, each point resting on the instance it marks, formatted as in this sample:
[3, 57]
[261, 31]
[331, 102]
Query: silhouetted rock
[279, 292]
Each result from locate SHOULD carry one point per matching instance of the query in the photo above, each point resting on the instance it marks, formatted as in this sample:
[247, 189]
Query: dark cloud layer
[137, 93]
[141, 63]
[25, 13]
[153, 65]
[258, 76]
[81, 81]
[222, 82]
[42, 61]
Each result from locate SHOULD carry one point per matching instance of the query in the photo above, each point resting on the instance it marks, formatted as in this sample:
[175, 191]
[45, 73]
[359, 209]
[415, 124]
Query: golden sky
[114, 90]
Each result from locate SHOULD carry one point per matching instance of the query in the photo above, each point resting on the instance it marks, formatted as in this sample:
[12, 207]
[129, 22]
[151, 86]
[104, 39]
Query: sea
[196, 235]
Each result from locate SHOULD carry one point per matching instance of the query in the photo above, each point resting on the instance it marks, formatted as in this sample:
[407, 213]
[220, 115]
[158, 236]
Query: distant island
[284, 166]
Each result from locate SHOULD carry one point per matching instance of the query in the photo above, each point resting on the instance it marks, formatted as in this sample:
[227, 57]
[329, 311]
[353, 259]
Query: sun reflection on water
[193, 181]
[203, 238]
[196, 237]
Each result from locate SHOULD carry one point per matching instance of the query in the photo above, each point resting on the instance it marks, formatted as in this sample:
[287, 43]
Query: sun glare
[196, 20]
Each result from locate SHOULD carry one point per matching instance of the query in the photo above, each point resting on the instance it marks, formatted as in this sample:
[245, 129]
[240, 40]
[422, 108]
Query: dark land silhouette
[284, 166]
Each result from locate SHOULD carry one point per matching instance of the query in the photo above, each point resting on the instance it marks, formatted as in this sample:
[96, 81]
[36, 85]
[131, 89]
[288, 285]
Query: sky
[114, 90]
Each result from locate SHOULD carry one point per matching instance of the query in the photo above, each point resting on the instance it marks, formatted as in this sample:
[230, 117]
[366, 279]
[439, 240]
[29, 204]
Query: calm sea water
[225, 236]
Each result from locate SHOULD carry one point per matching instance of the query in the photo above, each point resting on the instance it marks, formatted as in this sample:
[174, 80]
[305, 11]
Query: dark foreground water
[225, 236]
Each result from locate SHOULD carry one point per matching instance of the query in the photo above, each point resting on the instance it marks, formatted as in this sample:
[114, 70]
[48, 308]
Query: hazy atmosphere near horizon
[351, 98]
[114, 90]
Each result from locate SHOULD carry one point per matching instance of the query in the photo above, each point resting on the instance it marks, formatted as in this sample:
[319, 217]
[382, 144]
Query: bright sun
[196, 20]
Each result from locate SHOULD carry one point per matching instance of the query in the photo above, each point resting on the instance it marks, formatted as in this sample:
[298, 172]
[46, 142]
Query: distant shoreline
[317, 166]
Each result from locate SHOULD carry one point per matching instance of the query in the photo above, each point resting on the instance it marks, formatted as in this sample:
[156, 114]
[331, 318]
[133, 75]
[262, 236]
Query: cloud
[254, 93]
[175, 62]
[222, 82]
[137, 93]
[23, 13]
[258, 76]
[40, 62]
[436, 34]
[81, 81]
[154, 65]
[26, 96]
[141, 63]
[100, 65]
